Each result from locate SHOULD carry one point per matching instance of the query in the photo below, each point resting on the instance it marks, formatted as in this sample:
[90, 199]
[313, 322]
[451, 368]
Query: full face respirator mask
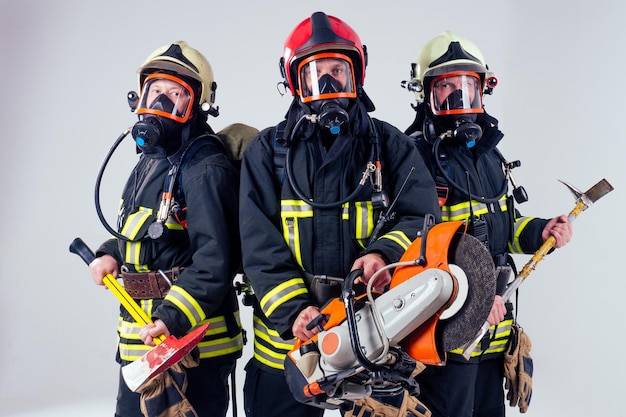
[327, 83]
[164, 106]
[332, 115]
[456, 99]
[151, 130]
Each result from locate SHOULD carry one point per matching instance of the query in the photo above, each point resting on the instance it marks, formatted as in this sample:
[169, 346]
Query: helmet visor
[167, 96]
[326, 76]
[456, 93]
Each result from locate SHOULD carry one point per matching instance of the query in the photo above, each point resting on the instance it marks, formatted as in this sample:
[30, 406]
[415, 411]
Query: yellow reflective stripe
[132, 352]
[172, 224]
[269, 348]
[364, 219]
[133, 249]
[497, 343]
[345, 211]
[271, 336]
[187, 304]
[128, 330]
[518, 228]
[217, 325]
[399, 237]
[220, 347]
[290, 212]
[135, 221]
[282, 293]
[295, 208]
[269, 358]
[463, 210]
[291, 234]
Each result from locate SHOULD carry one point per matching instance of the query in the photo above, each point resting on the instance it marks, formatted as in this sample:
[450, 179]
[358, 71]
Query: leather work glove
[405, 406]
[518, 369]
[525, 373]
[164, 395]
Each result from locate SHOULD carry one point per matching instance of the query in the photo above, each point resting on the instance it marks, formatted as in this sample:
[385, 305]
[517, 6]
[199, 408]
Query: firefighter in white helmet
[176, 245]
[458, 140]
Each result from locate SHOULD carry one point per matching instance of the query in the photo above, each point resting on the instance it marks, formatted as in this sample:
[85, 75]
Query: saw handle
[81, 249]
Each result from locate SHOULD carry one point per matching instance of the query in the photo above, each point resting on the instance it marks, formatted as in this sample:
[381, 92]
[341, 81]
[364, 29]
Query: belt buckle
[160, 271]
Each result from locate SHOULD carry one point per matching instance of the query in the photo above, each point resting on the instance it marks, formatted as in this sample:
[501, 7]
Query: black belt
[323, 287]
[149, 285]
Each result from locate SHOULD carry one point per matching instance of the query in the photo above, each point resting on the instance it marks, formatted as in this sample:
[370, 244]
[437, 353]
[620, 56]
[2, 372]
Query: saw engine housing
[362, 350]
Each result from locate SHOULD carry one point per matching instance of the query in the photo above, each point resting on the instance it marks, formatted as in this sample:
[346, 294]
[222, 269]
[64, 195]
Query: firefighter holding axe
[459, 140]
[175, 247]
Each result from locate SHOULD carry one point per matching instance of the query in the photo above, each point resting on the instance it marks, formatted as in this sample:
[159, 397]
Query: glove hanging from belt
[164, 395]
[404, 405]
[518, 369]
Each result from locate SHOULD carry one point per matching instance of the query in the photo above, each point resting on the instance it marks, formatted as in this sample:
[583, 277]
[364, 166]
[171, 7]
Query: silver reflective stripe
[135, 221]
[364, 220]
[187, 304]
[271, 336]
[132, 352]
[220, 347]
[273, 356]
[399, 237]
[281, 294]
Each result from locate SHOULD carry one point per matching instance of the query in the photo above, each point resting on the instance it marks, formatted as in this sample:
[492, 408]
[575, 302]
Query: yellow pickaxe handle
[81, 249]
[129, 304]
[548, 244]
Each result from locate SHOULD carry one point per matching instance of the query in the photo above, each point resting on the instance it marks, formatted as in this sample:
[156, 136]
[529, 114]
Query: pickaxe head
[591, 195]
[161, 357]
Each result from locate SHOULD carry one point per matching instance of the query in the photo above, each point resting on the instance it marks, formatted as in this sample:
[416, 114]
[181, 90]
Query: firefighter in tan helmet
[175, 245]
[458, 140]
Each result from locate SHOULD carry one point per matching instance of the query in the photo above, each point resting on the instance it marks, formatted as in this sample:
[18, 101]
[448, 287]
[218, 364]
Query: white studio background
[66, 67]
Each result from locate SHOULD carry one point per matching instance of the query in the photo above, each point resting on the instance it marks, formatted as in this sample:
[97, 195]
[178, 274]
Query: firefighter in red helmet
[312, 190]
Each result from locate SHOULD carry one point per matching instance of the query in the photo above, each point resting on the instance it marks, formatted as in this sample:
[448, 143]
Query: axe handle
[81, 249]
[548, 244]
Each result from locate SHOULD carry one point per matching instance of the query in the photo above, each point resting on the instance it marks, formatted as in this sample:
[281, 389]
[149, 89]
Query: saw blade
[469, 254]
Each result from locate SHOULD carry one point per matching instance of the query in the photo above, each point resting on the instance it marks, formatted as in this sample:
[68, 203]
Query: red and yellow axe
[168, 351]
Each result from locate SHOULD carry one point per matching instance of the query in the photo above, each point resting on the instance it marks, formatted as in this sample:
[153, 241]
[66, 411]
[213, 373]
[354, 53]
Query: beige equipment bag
[518, 369]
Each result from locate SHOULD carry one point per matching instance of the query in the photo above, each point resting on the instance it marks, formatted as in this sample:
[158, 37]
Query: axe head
[161, 357]
[593, 194]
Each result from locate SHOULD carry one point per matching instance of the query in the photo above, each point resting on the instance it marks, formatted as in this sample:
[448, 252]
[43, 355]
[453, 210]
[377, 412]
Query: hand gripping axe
[168, 351]
[583, 201]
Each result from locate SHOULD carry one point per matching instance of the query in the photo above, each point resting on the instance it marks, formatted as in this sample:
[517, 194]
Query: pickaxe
[168, 351]
[583, 201]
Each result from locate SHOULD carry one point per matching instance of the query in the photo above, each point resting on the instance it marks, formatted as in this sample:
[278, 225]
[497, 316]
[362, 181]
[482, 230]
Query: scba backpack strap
[279, 147]
[234, 139]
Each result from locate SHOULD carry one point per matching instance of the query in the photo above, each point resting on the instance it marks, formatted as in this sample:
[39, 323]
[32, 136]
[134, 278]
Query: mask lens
[326, 76]
[166, 96]
[456, 93]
